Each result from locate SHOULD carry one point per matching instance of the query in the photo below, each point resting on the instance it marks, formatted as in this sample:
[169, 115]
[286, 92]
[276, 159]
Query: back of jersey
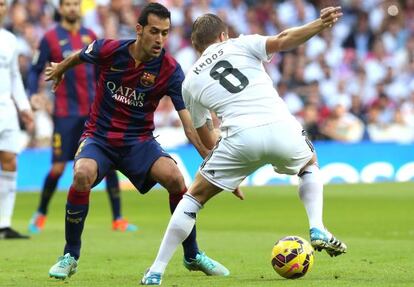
[229, 79]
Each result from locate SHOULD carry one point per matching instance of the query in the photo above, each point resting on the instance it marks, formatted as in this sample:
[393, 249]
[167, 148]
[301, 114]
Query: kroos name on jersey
[208, 61]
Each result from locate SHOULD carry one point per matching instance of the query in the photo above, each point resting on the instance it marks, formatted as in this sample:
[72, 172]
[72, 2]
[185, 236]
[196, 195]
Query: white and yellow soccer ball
[292, 257]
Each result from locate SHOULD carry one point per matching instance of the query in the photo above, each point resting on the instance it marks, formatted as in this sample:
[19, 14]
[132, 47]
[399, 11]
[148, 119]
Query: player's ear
[223, 36]
[139, 29]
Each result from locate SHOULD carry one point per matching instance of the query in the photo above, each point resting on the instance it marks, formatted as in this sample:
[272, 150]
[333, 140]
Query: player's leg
[8, 183]
[66, 134]
[180, 226]
[165, 172]
[224, 169]
[38, 220]
[311, 195]
[299, 158]
[114, 193]
[91, 165]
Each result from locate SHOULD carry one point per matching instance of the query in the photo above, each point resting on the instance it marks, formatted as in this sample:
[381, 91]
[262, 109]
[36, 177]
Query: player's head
[3, 10]
[70, 10]
[208, 29]
[152, 29]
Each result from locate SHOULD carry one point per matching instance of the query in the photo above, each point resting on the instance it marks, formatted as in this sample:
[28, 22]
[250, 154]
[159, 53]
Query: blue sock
[190, 243]
[49, 188]
[114, 193]
[75, 217]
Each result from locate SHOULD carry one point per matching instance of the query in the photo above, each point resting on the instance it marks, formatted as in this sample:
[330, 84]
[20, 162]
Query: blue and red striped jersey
[127, 95]
[75, 94]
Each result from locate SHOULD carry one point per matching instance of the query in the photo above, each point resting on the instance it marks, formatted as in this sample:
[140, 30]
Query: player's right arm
[293, 37]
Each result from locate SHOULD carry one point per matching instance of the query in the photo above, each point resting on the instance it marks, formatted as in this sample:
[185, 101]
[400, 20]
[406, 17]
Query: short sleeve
[199, 114]
[255, 45]
[92, 53]
[174, 88]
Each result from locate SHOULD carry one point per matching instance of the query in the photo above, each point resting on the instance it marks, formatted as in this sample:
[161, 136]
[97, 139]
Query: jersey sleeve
[92, 53]
[255, 45]
[199, 114]
[174, 88]
[40, 59]
[18, 92]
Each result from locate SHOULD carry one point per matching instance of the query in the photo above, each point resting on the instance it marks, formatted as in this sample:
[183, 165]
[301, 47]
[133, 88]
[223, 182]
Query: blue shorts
[133, 161]
[66, 134]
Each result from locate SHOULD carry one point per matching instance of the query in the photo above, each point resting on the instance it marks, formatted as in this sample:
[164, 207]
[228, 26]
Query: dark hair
[206, 29]
[153, 8]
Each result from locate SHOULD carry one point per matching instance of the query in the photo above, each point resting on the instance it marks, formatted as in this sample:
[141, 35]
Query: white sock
[181, 223]
[7, 197]
[311, 194]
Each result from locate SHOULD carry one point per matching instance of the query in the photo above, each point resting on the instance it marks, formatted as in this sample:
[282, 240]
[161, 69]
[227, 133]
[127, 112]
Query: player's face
[154, 35]
[3, 10]
[70, 10]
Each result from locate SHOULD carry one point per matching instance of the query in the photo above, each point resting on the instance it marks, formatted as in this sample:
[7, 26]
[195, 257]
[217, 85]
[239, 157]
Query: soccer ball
[292, 257]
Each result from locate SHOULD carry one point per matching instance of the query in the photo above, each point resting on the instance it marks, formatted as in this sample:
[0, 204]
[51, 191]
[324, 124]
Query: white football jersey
[229, 79]
[11, 85]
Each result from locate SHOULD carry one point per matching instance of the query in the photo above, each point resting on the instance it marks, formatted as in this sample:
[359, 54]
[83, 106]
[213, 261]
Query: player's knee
[57, 169]
[9, 163]
[83, 178]
[175, 183]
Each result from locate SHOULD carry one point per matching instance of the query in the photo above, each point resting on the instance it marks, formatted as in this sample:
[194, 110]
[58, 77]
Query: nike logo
[70, 212]
[113, 69]
[191, 214]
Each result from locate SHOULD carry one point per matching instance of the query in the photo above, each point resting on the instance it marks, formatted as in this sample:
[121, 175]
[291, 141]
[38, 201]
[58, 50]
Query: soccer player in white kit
[11, 93]
[256, 127]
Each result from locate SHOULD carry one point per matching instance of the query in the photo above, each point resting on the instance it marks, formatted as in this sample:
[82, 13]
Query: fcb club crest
[148, 79]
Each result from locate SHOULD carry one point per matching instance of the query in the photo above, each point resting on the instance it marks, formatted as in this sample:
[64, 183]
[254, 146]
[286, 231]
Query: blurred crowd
[352, 82]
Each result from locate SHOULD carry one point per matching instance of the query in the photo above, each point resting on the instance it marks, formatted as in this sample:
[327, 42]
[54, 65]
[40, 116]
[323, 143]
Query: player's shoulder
[8, 37]
[87, 32]
[169, 60]
[112, 46]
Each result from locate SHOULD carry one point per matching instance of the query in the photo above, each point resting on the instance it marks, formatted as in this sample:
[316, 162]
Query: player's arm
[191, 133]
[56, 71]
[19, 95]
[40, 59]
[293, 37]
[208, 134]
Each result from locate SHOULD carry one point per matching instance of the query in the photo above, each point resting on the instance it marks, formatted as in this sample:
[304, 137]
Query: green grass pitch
[376, 221]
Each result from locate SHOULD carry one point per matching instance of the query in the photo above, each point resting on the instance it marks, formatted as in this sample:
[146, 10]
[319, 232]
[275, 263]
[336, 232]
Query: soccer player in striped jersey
[73, 99]
[133, 77]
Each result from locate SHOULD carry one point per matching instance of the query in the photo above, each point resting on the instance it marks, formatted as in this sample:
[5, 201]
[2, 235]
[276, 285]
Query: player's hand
[27, 119]
[330, 15]
[52, 73]
[238, 193]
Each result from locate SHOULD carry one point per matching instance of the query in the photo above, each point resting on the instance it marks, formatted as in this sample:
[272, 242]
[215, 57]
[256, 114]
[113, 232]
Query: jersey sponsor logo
[126, 95]
[207, 61]
[148, 79]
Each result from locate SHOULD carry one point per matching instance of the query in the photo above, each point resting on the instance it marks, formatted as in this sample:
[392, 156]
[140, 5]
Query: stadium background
[352, 87]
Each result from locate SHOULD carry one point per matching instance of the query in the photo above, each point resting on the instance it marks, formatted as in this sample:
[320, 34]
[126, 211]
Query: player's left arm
[293, 37]
[19, 95]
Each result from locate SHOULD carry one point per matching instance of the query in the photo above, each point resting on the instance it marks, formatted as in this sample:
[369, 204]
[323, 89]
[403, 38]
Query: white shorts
[281, 144]
[10, 140]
